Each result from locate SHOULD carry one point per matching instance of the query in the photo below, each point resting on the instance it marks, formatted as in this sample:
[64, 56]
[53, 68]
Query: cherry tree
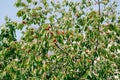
[68, 40]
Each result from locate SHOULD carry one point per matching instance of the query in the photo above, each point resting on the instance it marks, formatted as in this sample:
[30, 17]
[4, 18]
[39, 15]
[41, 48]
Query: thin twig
[98, 24]
[59, 47]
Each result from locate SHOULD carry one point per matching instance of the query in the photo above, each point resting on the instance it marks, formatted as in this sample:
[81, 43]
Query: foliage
[62, 40]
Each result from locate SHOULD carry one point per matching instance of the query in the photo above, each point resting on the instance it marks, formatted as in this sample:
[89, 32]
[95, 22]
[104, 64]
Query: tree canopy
[67, 40]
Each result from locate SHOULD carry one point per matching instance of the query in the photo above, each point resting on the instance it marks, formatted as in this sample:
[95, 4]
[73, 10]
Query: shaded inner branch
[97, 42]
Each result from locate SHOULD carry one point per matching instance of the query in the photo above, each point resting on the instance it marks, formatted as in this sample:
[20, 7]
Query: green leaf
[102, 19]
[20, 26]
[29, 1]
[20, 13]
[35, 2]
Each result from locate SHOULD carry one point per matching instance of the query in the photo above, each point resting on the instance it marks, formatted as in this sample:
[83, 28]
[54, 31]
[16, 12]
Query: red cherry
[51, 32]
[54, 40]
[62, 32]
[58, 32]
[47, 28]
[23, 22]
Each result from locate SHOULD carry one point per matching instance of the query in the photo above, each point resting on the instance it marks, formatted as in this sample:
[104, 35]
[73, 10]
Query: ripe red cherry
[47, 28]
[51, 32]
[54, 40]
[23, 22]
[62, 32]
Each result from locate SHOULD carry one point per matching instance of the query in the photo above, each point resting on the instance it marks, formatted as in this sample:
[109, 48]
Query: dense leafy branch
[64, 40]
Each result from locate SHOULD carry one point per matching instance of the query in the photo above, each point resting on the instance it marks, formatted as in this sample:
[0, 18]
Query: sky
[7, 8]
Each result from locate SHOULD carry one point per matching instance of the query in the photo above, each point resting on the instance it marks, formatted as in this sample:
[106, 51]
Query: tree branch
[58, 46]
[98, 25]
